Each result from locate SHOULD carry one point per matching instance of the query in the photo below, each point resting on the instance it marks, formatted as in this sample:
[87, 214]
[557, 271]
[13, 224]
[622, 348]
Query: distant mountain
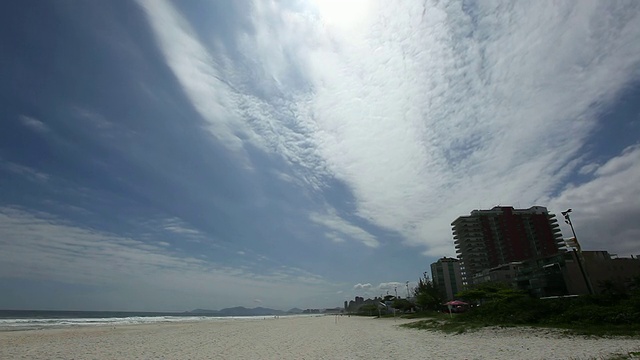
[238, 311]
[204, 312]
[242, 311]
[295, 311]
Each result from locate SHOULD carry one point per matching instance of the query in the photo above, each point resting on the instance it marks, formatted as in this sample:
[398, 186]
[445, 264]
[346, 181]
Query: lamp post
[407, 283]
[567, 219]
[577, 253]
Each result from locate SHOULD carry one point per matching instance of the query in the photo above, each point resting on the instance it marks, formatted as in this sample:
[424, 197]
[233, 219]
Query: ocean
[14, 320]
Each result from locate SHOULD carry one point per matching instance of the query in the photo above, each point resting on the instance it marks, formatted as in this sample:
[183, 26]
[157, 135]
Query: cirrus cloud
[425, 110]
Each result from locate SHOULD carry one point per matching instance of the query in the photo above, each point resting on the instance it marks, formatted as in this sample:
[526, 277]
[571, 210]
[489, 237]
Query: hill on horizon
[239, 311]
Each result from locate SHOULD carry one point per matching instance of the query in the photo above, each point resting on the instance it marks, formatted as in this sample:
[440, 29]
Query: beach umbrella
[456, 303]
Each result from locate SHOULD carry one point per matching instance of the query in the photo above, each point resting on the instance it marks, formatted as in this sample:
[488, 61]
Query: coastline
[24, 324]
[320, 337]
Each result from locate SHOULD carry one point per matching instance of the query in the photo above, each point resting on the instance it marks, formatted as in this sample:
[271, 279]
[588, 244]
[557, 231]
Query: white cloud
[607, 208]
[588, 169]
[34, 124]
[426, 122]
[425, 111]
[343, 229]
[390, 288]
[177, 226]
[94, 118]
[366, 286]
[197, 72]
[40, 246]
[428, 117]
[390, 285]
[25, 171]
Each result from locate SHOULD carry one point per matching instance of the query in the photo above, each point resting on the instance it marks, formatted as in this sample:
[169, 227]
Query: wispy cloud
[25, 171]
[96, 119]
[390, 288]
[606, 209]
[34, 124]
[391, 285]
[425, 111]
[341, 229]
[177, 226]
[37, 245]
[197, 71]
[438, 115]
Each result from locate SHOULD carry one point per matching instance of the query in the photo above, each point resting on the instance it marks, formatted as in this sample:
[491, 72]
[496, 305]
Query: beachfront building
[447, 277]
[488, 239]
[505, 273]
[571, 274]
[556, 275]
[610, 273]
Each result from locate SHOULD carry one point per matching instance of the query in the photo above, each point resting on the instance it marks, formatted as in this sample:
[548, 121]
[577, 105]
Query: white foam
[17, 324]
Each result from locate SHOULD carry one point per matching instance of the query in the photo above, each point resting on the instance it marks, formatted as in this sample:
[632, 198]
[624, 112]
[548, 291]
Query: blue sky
[159, 155]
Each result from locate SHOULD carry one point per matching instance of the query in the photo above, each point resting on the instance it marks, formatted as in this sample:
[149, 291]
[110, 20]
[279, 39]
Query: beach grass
[628, 356]
[458, 323]
[599, 315]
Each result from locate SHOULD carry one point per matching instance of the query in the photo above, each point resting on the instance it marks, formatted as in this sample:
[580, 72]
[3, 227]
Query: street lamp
[407, 283]
[567, 219]
[576, 245]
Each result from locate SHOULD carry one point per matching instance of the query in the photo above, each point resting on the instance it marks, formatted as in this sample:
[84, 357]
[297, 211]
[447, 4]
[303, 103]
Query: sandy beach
[323, 337]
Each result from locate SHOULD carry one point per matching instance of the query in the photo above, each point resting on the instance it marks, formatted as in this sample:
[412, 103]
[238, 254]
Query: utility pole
[407, 283]
[576, 245]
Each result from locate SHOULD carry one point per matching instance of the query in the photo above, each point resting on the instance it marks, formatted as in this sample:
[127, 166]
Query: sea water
[12, 320]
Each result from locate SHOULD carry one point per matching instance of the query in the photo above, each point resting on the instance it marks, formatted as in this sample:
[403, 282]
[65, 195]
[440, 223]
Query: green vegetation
[490, 291]
[612, 313]
[427, 294]
[444, 325]
[631, 355]
[403, 305]
[368, 310]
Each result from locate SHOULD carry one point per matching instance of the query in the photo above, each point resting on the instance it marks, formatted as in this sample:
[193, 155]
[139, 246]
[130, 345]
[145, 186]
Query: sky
[167, 156]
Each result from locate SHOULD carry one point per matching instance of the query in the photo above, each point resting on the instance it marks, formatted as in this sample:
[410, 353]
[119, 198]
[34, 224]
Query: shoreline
[22, 324]
[321, 337]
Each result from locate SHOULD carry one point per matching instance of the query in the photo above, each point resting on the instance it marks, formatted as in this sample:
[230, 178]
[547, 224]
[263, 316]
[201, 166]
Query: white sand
[300, 338]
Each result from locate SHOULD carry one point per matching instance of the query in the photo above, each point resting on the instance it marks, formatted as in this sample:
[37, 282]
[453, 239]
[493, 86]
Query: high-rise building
[447, 277]
[489, 238]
